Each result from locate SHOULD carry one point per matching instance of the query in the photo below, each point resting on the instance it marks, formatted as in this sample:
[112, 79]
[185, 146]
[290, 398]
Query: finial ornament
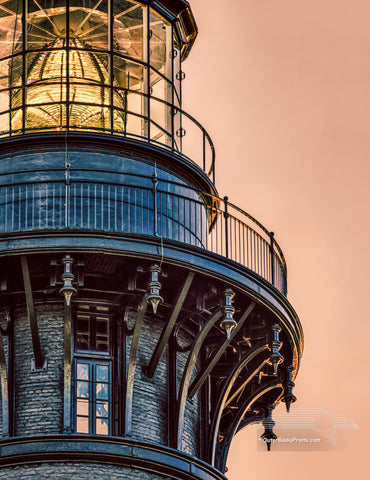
[268, 436]
[228, 323]
[67, 276]
[154, 287]
[276, 358]
[288, 397]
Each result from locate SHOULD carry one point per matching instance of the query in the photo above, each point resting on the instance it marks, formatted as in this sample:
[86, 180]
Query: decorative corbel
[228, 323]
[276, 358]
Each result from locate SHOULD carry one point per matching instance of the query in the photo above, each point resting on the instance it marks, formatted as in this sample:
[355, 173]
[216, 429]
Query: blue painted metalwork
[124, 204]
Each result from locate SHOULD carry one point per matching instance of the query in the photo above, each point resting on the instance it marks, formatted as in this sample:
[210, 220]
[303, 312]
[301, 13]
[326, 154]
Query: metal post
[155, 183]
[226, 216]
[272, 256]
[204, 151]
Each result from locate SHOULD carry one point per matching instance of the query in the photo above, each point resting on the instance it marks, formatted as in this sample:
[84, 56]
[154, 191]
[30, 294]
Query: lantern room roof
[186, 26]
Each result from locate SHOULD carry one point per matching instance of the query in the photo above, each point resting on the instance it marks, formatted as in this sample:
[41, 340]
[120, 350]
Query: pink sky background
[283, 88]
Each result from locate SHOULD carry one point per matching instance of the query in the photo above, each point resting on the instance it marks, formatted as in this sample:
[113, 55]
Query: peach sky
[282, 86]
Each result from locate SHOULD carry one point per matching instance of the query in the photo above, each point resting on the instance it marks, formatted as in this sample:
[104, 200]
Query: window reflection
[93, 397]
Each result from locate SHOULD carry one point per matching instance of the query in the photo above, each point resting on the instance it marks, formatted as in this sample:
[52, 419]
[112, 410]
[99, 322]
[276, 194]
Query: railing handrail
[210, 170]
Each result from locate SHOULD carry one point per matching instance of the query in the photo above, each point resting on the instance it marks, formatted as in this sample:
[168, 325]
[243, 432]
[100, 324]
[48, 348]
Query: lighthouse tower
[144, 319]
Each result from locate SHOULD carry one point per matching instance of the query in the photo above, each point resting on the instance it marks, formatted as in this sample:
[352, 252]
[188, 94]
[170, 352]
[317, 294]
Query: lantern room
[97, 65]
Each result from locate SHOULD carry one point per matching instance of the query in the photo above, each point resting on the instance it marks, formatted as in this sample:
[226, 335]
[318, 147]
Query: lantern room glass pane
[10, 27]
[88, 24]
[128, 28]
[158, 41]
[86, 77]
[127, 74]
[46, 26]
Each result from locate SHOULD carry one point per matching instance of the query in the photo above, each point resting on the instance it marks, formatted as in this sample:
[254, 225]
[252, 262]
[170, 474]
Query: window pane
[82, 389]
[102, 409]
[102, 426]
[102, 373]
[102, 325]
[83, 332]
[83, 407]
[102, 391]
[83, 371]
[82, 425]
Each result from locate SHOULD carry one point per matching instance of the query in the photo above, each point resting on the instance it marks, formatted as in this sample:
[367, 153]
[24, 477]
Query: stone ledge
[153, 458]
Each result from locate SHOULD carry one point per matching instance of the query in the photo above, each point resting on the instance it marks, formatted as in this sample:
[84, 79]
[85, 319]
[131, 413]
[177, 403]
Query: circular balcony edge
[169, 159]
[120, 452]
[175, 253]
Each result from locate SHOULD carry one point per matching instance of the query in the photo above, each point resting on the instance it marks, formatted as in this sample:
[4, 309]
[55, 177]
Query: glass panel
[102, 309]
[83, 390]
[102, 326]
[102, 409]
[83, 407]
[89, 116]
[102, 372]
[82, 425]
[102, 334]
[133, 125]
[37, 118]
[157, 42]
[11, 72]
[4, 120]
[88, 23]
[46, 26]
[82, 371]
[128, 28]
[83, 332]
[127, 74]
[102, 426]
[10, 27]
[102, 391]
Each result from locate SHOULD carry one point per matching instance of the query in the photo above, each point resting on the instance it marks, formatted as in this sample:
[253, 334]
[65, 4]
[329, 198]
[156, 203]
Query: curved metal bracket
[202, 376]
[132, 364]
[236, 425]
[225, 393]
[188, 371]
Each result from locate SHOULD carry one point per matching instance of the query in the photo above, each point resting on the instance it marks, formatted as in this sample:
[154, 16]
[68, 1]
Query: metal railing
[163, 124]
[183, 215]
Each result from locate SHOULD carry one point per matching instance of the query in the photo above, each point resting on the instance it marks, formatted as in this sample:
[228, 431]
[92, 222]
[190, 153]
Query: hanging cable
[155, 207]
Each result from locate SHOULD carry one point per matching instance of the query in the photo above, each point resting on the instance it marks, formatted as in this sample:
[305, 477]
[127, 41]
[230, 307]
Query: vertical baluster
[115, 208]
[128, 209]
[122, 199]
[20, 207]
[272, 258]
[109, 206]
[26, 207]
[204, 151]
[226, 216]
[88, 205]
[13, 209]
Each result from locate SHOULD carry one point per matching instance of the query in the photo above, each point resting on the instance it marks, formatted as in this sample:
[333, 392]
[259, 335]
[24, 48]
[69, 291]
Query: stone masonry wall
[149, 410]
[39, 395]
[77, 471]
